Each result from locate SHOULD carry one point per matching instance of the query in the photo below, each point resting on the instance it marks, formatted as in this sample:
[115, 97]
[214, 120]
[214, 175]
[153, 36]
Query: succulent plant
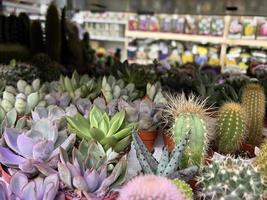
[114, 89]
[88, 171]
[188, 115]
[4, 192]
[39, 188]
[168, 165]
[230, 128]
[33, 150]
[76, 86]
[24, 98]
[150, 187]
[253, 101]
[112, 132]
[261, 159]
[231, 179]
[15, 71]
[184, 188]
[154, 92]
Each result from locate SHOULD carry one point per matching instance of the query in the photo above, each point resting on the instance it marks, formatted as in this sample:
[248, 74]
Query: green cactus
[184, 188]
[53, 33]
[36, 33]
[230, 128]
[253, 101]
[188, 115]
[168, 165]
[232, 179]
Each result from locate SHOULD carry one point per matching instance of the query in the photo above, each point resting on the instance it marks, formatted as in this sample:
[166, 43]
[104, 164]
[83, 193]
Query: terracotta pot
[148, 137]
[168, 141]
[5, 175]
[28, 116]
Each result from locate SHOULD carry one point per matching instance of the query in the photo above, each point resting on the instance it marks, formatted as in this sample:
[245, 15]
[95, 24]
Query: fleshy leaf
[17, 183]
[7, 157]
[25, 145]
[29, 192]
[42, 150]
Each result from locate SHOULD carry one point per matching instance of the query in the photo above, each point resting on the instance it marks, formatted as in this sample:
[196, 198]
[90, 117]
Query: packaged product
[191, 25]
[217, 26]
[154, 24]
[133, 23]
[249, 28]
[262, 28]
[178, 24]
[166, 23]
[143, 23]
[235, 29]
[204, 25]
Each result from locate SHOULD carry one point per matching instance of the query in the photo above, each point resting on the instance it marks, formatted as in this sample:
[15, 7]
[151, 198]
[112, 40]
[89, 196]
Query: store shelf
[106, 38]
[105, 21]
[141, 62]
[175, 36]
[246, 42]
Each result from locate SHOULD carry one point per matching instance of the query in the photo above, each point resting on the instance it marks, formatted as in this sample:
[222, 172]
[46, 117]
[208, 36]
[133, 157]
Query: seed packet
[190, 25]
[235, 29]
[154, 25]
[178, 24]
[204, 25]
[217, 26]
[262, 28]
[166, 23]
[143, 23]
[249, 28]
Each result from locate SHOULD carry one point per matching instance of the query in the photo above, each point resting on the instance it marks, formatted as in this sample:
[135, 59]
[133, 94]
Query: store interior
[133, 100]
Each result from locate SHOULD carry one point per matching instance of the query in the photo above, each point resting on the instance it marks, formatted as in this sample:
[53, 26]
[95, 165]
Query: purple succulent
[40, 189]
[89, 173]
[4, 192]
[31, 152]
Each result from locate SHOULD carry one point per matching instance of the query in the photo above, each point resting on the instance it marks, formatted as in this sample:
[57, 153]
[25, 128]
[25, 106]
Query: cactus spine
[230, 128]
[253, 101]
[189, 115]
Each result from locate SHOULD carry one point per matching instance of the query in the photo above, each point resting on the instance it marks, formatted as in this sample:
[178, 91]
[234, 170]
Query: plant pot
[5, 175]
[168, 141]
[28, 116]
[248, 149]
[149, 138]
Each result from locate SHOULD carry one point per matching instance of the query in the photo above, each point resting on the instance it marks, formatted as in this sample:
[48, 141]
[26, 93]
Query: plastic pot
[4, 174]
[249, 149]
[149, 138]
[168, 141]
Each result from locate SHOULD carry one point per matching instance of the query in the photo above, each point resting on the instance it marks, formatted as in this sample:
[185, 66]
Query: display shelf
[246, 42]
[106, 21]
[141, 62]
[174, 36]
[106, 38]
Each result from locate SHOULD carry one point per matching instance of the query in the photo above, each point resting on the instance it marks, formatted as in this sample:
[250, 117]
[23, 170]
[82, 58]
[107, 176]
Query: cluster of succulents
[112, 131]
[114, 89]
[24, 98]
[154, 92]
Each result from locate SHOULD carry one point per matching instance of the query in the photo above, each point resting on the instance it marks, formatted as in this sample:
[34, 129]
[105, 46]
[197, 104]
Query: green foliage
[253, 101]
[230, 128]
[53, 33]
[36, 36]
[232, 179]
[13, 51]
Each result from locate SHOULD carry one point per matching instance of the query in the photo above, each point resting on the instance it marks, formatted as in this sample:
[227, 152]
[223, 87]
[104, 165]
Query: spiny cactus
[53, 33]
[230, 128]
[184, 188]
[185, 115]
[261, 159]
[168, 165]
[232, 179]
[253, 101]
[150, 187]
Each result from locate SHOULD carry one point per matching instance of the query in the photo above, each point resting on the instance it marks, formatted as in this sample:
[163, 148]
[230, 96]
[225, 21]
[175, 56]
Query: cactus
[230, 128]
[232, 179]
[253, 101]
[261, 160]
[150, 187]
[184, 188]
[188, 115]
[53, 33]
[36, 32]
[168, 165]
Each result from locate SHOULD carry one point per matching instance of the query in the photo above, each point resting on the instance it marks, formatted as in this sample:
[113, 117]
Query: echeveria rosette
[89, 173]
[20, 188]
[30, 153]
